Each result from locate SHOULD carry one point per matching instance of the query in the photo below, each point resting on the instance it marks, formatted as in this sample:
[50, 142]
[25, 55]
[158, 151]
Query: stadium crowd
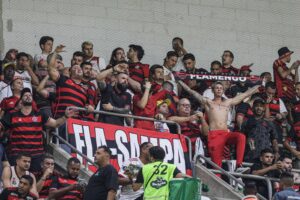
[254, 120]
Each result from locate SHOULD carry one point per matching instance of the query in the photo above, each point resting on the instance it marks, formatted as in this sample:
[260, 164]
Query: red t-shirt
[148, 111]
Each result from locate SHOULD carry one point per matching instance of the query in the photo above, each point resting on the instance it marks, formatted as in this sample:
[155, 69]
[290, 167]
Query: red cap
[246, 67]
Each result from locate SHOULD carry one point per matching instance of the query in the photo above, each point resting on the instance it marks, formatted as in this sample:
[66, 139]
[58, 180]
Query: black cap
[283, 51]
[259, 101]
[24, 91]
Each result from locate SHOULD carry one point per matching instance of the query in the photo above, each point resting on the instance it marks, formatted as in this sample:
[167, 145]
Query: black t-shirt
[262, 185]
[109, 95]
[140, 178]
[101, 182]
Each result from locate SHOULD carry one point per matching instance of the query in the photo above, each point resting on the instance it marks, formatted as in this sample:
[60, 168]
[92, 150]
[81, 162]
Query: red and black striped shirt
[62, 182]
[68, 93]
[25, 132]
[274, 106]
[12, 193]
[285, 86]
[138, 71]
[91, 91]
[230, 70]
[191, 130]
[44, 193]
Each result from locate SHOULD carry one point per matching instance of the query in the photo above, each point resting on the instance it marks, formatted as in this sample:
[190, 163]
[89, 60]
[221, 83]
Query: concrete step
[61, 157]
[218, 189]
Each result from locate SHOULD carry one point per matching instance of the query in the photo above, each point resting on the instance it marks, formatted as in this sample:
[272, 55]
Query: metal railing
[268, 180]
[130, 116]
[88, 160]
[232, 175]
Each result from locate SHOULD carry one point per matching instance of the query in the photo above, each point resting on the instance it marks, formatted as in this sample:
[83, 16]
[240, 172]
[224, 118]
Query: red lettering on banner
[124, 142]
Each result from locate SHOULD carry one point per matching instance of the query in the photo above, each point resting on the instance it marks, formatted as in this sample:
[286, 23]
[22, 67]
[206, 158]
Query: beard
[27, 103]
[122, 87]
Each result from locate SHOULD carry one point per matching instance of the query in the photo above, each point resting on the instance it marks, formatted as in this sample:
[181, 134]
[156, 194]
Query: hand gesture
[297, 154]
[107, 107]
[60, 48]
[70, 112]
[296, 64]
[148, 85]
[200, 115]
[89, 108]
[159, 116]
[122, 67]
[27, 64]
[94, 74]
[277, 165]
[269, 99]
[48, 172]
[193, 118]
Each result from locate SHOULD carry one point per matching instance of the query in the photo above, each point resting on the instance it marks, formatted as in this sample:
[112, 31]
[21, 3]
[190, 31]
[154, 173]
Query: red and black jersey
[138, 71]
[62, 182]
[285, 86]
[91, 91]
[274, 106]
[25, 132]
[230, 70]
[192, 131]
[12, 193]
[296, 109]
[68, 93]
[44, 193]
[10, 103]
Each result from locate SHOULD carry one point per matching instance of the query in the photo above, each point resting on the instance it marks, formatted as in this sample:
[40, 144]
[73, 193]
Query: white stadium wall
[252, 29]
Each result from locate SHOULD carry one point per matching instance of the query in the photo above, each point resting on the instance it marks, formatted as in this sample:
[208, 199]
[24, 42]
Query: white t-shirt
[282, 107]
[24, 75]
[179, 65]
[5, 90]
[167, 72]
[39, 57]
[126, 191]
[15, 180]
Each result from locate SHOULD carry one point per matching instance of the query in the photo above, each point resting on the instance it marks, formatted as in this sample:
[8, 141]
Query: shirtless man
[217, 111]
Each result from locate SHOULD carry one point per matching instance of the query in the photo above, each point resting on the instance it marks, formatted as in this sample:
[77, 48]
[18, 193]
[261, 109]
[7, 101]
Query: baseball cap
[9, 64]
[160, 102]
[245, 68]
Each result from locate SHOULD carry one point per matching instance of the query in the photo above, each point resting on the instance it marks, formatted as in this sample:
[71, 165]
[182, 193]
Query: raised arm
[34, 78]
[284, 74]
[117, 68]
[239, 98]
[144, 100]
[52, 70]
[195, 94]
[41, 87]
